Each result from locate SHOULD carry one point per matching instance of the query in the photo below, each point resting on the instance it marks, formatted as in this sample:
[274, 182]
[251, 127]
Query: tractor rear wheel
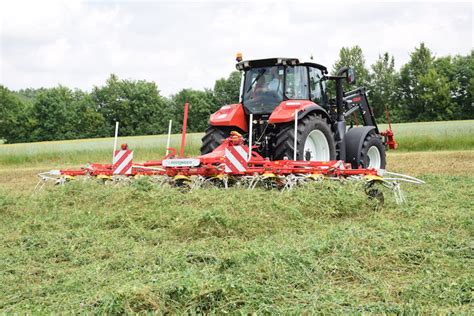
[315, 140]
[214, 137]
[372, 154]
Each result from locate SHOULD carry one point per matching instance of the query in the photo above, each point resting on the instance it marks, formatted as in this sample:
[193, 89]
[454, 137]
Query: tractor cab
[268, 82]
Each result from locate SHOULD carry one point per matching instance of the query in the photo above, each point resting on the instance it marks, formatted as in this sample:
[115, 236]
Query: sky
[190, 44]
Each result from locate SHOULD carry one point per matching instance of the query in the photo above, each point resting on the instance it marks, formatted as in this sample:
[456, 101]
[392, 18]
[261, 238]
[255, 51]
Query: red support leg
[183, 134]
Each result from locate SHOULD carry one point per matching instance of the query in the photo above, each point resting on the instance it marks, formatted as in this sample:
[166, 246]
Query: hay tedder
[284, 132]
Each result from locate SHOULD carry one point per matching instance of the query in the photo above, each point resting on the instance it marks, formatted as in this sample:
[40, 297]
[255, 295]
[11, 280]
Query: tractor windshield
[263, 89]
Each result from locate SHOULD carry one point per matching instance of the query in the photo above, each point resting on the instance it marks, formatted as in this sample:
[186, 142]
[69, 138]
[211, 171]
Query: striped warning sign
[123, 162]
[235, 159]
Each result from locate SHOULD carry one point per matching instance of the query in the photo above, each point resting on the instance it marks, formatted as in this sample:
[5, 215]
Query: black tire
[372, 140]
[284, 142]
[214, 137]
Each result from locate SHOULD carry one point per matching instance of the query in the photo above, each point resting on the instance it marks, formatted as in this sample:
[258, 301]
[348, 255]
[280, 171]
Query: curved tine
[249, 181]
[303, 180]
[255, 181]
[159, 180]
[61, 181]
[417, 181]
[299, 180]
[388, 185]
[116, 179]
[399, 196]
[293, 180]
[162, 180]
[39, 185]
[289, 182]
[225, 181]
[197, 182]
[42, 185]
[404, 176]
[119, 179]
[47, 176]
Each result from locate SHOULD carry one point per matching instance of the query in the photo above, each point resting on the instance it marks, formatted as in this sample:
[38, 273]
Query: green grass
[449, 135]
[326, 248]
[90, 248]
[92, 150]
[433, 136]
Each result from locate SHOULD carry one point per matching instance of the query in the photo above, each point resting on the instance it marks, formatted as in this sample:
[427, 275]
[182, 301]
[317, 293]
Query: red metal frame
[183, 134]
[212, 165]
[388, 134]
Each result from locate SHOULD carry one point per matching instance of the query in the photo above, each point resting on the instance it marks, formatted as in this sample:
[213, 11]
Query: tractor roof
[278, 61]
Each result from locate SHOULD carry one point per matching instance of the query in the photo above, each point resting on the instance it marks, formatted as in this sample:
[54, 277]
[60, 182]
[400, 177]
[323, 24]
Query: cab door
[317, 86]
[296, 83]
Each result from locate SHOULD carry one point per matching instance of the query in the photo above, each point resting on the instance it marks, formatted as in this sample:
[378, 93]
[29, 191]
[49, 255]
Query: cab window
[296, 85]
[317, 85]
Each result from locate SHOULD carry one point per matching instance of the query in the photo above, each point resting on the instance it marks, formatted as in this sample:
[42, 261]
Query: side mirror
[351, 76]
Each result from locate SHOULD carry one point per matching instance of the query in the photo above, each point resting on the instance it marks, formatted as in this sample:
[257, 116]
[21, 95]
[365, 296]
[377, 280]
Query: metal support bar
[169, 138]
[250, 136]
[295, 145]
[351, 110]
[115, 140]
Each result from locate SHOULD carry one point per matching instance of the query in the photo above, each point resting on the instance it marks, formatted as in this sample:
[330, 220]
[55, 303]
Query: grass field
[86, 247]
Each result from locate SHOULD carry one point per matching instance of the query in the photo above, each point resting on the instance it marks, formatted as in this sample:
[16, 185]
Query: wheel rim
[316, 147]
[375, 159]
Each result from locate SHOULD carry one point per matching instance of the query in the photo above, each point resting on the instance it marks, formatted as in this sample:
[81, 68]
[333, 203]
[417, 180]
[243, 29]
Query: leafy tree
[383, 86]
[460, 73]
[434, 97]
[352, 57]
[87, 121]
[201, 105]
[29, 95]
[137, 105]
[53, 115]
[422, 99]
[15, 118]
[226, 91]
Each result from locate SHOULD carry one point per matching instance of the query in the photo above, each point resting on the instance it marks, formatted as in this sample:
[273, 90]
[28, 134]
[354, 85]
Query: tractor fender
[285, 111]
[230, 115]
[354, 140]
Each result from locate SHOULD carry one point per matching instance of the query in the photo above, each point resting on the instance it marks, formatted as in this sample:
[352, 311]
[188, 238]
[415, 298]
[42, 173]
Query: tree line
[426, 88]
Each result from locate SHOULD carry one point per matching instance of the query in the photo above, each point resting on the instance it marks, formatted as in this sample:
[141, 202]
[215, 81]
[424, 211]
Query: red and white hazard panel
[235, 159]
[123, 162]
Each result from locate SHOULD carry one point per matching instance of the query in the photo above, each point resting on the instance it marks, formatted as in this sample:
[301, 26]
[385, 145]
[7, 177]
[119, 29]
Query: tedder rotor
[284, 132]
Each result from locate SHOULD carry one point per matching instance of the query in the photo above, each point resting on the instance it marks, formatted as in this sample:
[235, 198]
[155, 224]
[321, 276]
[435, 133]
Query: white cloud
[191, 44]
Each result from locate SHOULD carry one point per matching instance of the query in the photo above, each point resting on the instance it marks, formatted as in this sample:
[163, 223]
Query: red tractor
[284, 132]
[275, 90]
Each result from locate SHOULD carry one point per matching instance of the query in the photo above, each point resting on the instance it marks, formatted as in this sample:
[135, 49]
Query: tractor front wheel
[214, 137]
[315, 140]
[372, 154]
